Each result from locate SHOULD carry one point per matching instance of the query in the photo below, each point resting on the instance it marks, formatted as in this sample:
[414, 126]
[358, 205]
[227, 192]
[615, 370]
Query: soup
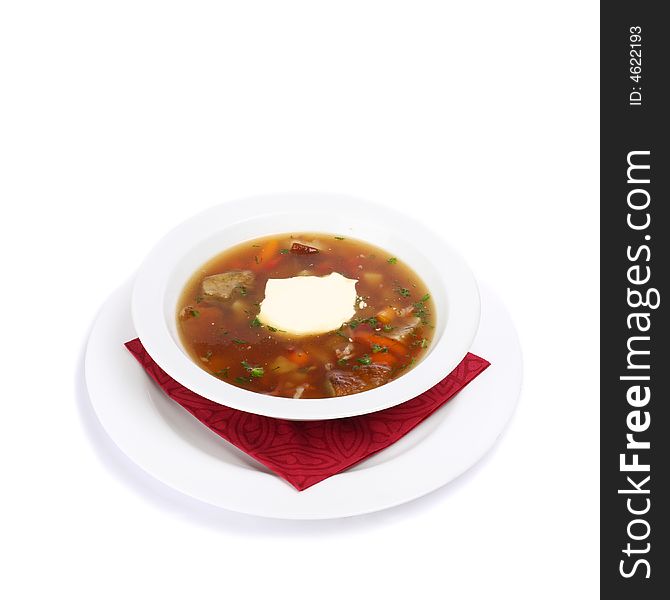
[305, 316]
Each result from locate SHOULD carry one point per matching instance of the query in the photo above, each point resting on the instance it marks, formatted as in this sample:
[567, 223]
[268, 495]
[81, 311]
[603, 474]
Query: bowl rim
[150, 316]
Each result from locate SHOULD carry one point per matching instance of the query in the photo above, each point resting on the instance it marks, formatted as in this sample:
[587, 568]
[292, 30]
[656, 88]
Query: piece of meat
[221, 286]
[298, 248]
[375, 374]
[341, 383]
[404, 329]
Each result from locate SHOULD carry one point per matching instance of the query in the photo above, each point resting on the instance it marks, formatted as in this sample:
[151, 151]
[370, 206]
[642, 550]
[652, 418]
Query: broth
[390, 331]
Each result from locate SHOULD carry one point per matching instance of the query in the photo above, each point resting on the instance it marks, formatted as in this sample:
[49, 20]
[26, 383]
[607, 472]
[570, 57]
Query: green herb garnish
[253, 371]
[425, 298]
[242, 290]
[342, 361]
[256, 322]
[365, 359]
[393, 260]
[339, 237]
[223, 373]
[354, 323]
[388, 327]
[421, 311]
[243, 379]
[238, 341]
[271, 328]
[372, 321]
[404, 292]
[284, 251]
[194, 313]
[377, 348]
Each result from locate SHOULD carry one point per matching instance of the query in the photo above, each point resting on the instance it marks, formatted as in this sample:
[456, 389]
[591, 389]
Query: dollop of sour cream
[308, 305]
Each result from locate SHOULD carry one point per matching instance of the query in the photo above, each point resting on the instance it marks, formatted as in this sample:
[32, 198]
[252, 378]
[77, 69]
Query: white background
[120, 119]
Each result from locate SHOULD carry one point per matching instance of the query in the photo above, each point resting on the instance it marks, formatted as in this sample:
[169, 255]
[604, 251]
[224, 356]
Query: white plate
[169, 444]
[167, 268]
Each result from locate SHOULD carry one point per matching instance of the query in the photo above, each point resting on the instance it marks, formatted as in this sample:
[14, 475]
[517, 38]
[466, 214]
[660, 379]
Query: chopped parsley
[194, 313]
[404, 292]
[238, 341]
[243, 379]
[256, 322]
[354, 323]
[393, 260]
[421, 311]
[271, 328]
[377, 348]
[422, 343]
[372, 321]
[222, 373]
[365, 359]
[342, 361]
[339, 237]
[388, 327]
[253, 371]
[284, 251]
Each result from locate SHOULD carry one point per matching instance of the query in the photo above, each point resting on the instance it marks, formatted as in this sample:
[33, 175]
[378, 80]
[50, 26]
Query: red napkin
[307, 452]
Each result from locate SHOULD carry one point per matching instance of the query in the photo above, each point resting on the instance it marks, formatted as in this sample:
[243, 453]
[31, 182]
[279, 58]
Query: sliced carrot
[298, 357]
[383, 358]
[397, 348]
[268, 252]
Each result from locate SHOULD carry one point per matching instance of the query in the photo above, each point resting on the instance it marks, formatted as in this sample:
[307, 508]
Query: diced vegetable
[282, 365]
[269, 250]
[298, 357]
[240, 308]
[386, 315]
[394, 346]
[384, 359]
[373, 278]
